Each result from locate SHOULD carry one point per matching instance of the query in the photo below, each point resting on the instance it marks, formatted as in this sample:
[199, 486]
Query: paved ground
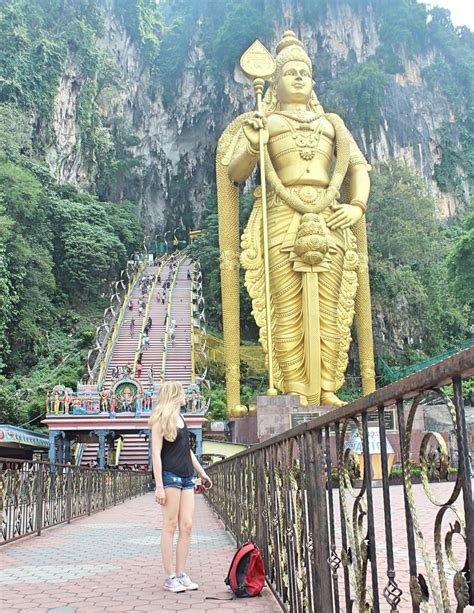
[111, 562]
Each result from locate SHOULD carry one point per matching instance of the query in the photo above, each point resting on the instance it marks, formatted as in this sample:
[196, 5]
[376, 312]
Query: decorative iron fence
[37, 495]
[333, 537]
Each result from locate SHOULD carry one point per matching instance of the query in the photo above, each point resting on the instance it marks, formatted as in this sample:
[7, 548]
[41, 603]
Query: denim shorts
[182, 483]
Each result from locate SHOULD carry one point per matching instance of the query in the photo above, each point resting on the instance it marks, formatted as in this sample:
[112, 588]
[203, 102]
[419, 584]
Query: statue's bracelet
[360, 204]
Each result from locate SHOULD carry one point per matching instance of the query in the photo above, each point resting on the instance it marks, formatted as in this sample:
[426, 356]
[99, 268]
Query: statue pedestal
[273, 415]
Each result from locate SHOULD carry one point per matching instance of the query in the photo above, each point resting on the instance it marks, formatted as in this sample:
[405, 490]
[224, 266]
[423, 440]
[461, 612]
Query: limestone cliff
[168, 127]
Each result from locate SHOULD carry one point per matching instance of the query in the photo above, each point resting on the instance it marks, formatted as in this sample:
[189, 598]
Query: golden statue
[309, 213]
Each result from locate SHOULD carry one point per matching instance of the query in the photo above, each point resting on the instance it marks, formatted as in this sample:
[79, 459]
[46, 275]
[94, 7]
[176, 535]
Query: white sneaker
[173, 584]
[187, 583]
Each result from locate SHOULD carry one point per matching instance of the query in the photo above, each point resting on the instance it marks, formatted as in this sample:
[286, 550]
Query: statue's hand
[343, 216]
[251, 129]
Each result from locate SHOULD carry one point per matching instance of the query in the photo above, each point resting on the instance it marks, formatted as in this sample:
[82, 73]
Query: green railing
[394, 374]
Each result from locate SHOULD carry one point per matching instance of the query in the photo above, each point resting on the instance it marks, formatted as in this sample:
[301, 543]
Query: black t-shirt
[176, 455]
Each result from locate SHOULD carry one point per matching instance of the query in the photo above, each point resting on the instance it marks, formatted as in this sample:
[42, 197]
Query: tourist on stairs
[173, 467]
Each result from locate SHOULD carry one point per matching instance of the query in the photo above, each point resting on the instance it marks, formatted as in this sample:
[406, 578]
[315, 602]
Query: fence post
[89, 492]
[261, 510]
[317, 471]
[39, 498]
[69, 494]
[104, 485]
[115, 488]
[464, 467]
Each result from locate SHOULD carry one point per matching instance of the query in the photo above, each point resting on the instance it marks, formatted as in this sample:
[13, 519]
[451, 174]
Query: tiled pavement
[111, 562]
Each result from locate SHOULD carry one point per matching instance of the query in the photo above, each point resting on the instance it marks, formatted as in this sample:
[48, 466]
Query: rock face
[64, 156]
[174, 143]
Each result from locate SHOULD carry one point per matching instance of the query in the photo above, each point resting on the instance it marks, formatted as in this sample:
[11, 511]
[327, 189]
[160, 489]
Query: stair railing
[168, 319]
[117, 326]
[110, 317]
[145, 316]
[118, 449]
[191, 308]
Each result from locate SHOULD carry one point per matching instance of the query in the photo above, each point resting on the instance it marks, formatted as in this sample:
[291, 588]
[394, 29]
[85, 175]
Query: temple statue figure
[317, 185]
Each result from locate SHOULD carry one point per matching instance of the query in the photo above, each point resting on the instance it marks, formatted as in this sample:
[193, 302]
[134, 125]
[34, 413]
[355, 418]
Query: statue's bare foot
[330, 399]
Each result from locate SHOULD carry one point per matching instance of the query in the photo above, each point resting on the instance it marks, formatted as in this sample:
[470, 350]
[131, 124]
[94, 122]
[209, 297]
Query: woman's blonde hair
[166, 411]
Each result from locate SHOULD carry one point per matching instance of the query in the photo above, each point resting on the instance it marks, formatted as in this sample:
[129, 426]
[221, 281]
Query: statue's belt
[310, 195]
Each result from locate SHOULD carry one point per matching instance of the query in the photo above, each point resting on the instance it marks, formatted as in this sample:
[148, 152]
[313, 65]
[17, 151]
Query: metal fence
[335, 539]
[37, 495]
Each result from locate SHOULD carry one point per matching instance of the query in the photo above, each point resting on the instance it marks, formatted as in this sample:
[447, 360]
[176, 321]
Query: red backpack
[246, 576]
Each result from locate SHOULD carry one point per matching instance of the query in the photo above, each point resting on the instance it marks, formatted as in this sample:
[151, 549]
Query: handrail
[145, 316]
[168, 312]
[193, 349]
[31, 489]
[117, 325]
[78, 453]
[398, 373]
[119, 444]
[306, 497]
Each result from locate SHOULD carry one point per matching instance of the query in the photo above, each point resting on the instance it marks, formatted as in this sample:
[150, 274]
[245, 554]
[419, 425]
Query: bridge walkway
[111, 561]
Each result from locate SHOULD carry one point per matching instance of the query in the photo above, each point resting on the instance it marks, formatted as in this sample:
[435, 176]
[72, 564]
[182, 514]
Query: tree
[408, 248]
[461, 264]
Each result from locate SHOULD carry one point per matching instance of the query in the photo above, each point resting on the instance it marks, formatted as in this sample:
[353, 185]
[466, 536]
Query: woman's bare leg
[170, 521]
[185, 523]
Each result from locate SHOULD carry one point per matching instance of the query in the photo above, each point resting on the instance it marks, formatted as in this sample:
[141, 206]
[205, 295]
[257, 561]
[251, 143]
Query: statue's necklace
[306, 137]
[299, 116]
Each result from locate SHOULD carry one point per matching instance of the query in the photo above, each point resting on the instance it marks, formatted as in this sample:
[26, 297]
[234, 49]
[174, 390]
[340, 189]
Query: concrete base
[274, 415]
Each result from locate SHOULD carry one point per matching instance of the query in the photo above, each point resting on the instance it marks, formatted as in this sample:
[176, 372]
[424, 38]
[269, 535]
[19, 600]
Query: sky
[462, 11]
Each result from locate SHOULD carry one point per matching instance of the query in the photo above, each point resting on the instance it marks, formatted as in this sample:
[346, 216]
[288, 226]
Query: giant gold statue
[311, 218]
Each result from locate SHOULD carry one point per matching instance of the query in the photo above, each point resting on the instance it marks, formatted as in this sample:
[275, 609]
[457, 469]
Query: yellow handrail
[145, 316]
[168, 311]
[118, 450]
[117, 324]
[193, 357]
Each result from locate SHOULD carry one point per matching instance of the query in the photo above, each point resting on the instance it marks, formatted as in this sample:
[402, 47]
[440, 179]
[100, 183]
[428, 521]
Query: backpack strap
[241, 551]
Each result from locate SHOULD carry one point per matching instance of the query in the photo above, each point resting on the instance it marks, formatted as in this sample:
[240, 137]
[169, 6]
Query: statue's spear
[259, 65]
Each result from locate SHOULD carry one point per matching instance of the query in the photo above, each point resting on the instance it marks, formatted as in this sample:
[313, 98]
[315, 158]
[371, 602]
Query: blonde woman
[174, 465]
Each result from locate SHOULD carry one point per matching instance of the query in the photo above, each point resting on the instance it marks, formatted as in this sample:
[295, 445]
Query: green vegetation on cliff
[59, 250]
[409, 251]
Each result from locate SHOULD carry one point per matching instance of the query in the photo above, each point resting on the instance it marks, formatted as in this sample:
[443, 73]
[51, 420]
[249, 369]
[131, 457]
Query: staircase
[134, 451]
[127, 344]
[89, 454]
[177, 362]
[153, 357]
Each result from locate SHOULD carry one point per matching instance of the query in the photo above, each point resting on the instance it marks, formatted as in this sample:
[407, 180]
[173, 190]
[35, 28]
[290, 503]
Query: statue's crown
[290, 49]
[289, 39]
